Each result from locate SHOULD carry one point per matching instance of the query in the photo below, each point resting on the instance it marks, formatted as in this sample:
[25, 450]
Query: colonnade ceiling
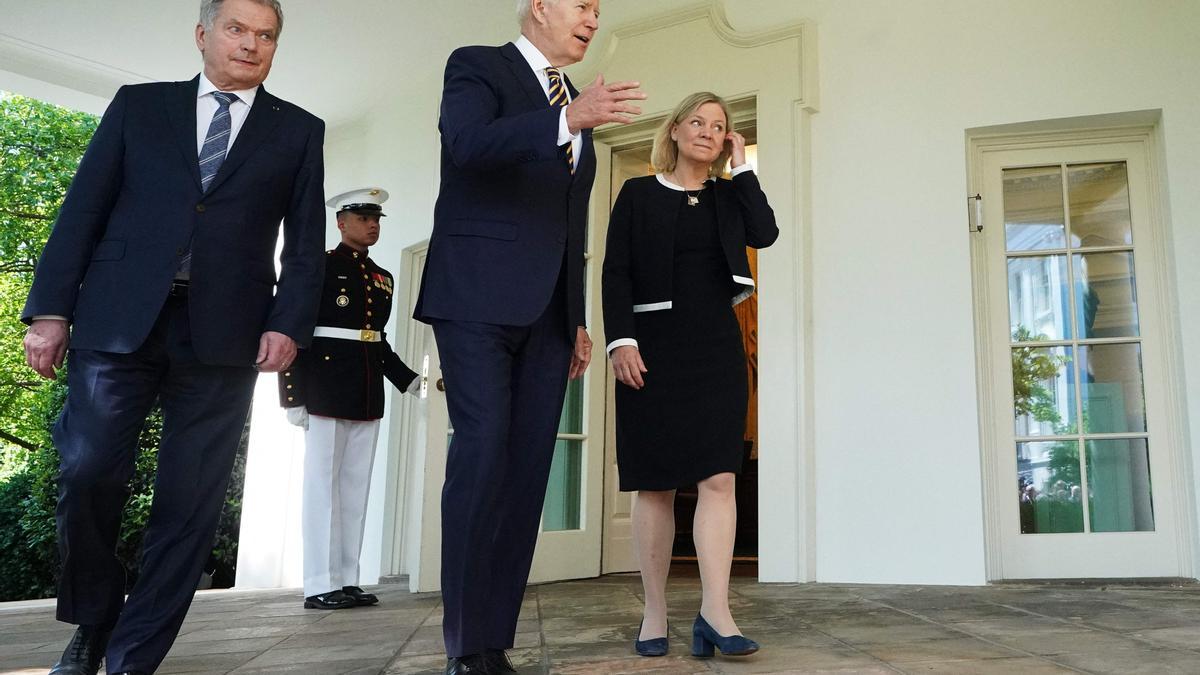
[337, 59]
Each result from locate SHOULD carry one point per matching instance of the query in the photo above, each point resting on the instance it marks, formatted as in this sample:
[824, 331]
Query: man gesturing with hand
[503, 289]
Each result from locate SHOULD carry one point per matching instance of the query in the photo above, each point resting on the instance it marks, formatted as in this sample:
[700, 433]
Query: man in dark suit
[335, 392]
[160, 271]
[503, 289]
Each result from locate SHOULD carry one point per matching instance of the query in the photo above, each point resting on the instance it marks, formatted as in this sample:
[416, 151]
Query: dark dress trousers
[134, 206]
[343, 378]
[503, 289]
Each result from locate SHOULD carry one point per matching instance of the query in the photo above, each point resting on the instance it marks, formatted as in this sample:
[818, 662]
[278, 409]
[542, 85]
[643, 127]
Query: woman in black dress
[674, 266]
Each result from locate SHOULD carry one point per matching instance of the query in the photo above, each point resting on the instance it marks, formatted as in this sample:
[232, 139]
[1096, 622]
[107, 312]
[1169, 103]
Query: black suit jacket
[136, 202]
[344, 378]
[510, 214]
[639, 251]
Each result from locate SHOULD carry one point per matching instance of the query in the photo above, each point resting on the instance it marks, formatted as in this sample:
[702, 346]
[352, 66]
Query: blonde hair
[665, 154]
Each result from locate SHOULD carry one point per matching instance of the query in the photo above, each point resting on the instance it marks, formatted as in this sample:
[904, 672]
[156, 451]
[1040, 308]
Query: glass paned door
[1071, 362]
[1072, 309]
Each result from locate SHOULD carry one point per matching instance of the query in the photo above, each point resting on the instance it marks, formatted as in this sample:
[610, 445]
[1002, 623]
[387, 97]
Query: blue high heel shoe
[705, 637]
[653, 646]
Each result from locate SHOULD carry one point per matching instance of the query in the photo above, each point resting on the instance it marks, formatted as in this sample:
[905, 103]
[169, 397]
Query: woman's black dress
[687, 423]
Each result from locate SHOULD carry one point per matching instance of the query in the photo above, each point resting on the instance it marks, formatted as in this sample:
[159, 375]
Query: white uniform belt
[357, 335]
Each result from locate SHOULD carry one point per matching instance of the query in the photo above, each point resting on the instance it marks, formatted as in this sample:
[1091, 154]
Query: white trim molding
[1137, 127]
[713, 12]
[777, 102]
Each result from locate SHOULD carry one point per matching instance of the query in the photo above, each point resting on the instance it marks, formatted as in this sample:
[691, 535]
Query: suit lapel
[524, 75]
[181, 111]
[265, 115]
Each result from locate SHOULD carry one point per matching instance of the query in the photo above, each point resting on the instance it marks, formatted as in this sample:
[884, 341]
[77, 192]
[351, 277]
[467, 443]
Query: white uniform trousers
[338, 455]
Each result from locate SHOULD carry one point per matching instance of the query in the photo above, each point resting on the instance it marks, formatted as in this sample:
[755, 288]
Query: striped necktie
[558, 97]
[212, 154]
[216, 143]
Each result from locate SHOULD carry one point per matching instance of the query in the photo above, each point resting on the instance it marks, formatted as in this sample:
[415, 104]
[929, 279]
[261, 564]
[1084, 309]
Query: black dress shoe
[498, 661]
[130, 672]
[330, 600]
[474, 664]
[84, 653]
[361, 597]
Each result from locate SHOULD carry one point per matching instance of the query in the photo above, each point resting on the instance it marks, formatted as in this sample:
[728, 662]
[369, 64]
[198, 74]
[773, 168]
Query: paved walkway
[587, 627]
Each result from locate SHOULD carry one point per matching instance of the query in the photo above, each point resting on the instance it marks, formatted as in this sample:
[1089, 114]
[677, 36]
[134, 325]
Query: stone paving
[588, 627]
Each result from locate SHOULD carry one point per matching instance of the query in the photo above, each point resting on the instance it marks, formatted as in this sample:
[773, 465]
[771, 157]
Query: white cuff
[414, 387]
[740, 169]
[622, 342]
[52, 317]
[564, 132]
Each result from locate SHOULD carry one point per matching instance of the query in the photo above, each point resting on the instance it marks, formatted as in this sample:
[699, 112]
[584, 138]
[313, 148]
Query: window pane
[1106, 295]
[571, 421]
[1043, 391]
[1033, 209]
[1099, 196]
[561, 511]
[1113, 398]
[1038, 302]
[1048, 487]
[1119, 486]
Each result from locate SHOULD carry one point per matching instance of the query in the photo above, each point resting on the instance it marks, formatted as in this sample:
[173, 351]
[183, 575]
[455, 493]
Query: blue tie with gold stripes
[558, 97]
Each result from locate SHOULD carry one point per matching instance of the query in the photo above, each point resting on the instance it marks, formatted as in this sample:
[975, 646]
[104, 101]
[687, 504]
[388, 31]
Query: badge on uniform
[343, 300]
[383, 282]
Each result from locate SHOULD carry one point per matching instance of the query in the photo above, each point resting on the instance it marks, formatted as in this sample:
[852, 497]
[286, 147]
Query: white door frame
[786, 98]
[1141, 128]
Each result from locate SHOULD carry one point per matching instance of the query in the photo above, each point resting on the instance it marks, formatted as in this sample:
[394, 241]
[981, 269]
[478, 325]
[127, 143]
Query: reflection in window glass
[1099, 196]
[1048, 487]
[571, 421]
[1119, 497]
[1033, 209]
[1113, 395]
[1043, 391]
[1039, 306]
[1106, 295]
[561, 511]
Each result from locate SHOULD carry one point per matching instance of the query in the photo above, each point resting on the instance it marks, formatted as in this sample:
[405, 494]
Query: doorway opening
[634, 160]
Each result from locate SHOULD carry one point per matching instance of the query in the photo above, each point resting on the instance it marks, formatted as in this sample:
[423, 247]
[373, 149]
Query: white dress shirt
[539, 63]
[206, 106]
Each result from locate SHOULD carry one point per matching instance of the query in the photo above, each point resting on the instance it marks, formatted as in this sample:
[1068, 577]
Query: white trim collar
[678, 188]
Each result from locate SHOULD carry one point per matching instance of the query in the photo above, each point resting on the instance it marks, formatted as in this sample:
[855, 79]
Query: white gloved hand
[414, 387]
[298, 416]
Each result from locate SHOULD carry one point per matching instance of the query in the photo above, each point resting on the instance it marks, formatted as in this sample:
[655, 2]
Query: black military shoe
[84, 653]
[498, 661]
[361, 597]
[330, 600]
[474, 664]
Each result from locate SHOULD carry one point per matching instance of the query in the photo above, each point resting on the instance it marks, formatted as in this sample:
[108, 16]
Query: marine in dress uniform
[334, 390]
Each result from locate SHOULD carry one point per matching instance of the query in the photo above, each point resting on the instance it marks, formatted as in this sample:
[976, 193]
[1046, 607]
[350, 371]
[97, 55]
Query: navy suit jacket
[136, 202]
[509, 214]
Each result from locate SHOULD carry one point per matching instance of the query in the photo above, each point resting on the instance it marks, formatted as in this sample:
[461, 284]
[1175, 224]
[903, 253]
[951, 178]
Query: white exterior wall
[897, 449]
[895, 433]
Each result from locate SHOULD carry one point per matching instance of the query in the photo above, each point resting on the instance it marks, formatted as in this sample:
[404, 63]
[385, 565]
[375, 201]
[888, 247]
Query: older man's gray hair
[524, 7]
[210, 8]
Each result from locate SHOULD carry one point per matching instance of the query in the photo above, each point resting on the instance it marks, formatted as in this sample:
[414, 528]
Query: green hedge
[28, 540]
